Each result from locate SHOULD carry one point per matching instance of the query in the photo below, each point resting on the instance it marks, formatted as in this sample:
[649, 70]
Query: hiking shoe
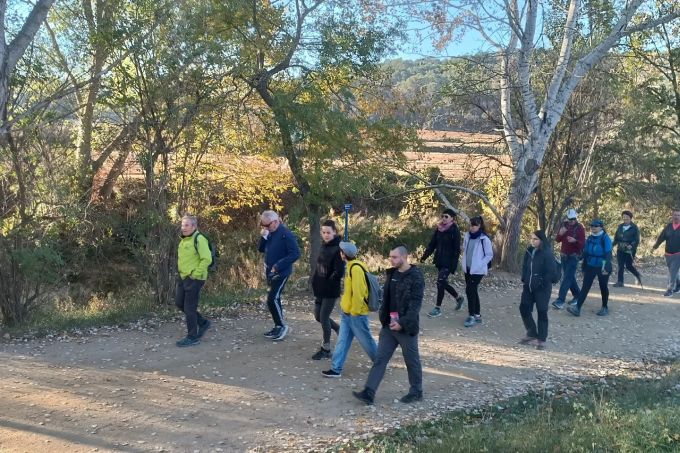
[478, 319]
[331, 373]
[527, 340]
[184, 342]
[604, 311]
[558, 304]
[322, 354]
[202, 329]
[574, 310]
[668, 293]
[540, 345]
[676, 290]
[412, 397]
[364, 396]
[618, 285]
[283, 331]
[272, 333]
[469, 321]
[574, 302]
[459, 302]
[435, 313]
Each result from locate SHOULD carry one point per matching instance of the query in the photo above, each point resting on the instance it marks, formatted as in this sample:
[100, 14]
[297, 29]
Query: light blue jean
[350, 327]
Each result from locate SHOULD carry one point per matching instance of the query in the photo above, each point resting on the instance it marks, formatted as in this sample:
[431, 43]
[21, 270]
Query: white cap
[571, 214]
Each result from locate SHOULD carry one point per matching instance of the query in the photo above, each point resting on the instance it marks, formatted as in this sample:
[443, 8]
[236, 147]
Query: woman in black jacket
[627, 238]
[445, 244]
[537, 275]
[326, 285]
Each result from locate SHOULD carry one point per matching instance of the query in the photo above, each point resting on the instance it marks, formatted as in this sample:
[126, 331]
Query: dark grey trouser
[540, 298]
[673, 263]
[186, 299]
[323, 307]
[387, 344]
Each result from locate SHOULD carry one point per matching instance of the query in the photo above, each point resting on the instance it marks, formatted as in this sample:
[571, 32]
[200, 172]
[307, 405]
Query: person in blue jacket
[281, 250]
[597, 262]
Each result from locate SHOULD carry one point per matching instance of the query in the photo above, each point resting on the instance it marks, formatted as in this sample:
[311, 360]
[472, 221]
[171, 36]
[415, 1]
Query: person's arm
[338, 267]
[430, 247]
[616, 235]
[636, 240]
[581, 237]
[488, 249]
[359, 290]
[660, 239]
[292, 252]
[560, 237]
[607, 260]
[262, 245]
[409, 320]
[456, 241]
[205, 259]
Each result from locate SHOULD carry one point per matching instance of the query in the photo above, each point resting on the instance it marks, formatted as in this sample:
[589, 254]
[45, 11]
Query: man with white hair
[281, 250]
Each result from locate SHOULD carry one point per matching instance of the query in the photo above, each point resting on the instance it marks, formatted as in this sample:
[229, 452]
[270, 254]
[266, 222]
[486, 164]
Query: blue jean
[569, 265]
[350, 327]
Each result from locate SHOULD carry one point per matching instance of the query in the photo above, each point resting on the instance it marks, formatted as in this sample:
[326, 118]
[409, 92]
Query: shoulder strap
[196, 240]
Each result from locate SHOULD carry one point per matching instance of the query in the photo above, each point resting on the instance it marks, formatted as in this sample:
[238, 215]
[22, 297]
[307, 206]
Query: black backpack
[557, 271]
[214, 253]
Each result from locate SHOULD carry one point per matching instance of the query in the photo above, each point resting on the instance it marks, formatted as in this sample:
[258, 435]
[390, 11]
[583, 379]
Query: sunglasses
[267, 225]
[446, 216]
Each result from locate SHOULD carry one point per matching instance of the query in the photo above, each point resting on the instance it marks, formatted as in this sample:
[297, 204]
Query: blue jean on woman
[350, 327]
[569, 266]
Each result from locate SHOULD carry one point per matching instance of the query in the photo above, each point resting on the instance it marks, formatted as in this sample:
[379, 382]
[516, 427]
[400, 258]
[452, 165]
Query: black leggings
[471, 291]
[323, 307]
[625, 261]
[589, 274]
[444, 286]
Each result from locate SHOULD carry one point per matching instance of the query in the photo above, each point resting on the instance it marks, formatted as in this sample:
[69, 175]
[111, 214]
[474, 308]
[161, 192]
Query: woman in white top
[477, 254]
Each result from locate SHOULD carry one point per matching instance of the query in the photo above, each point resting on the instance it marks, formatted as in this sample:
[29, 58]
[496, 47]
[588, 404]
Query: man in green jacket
[193, 259]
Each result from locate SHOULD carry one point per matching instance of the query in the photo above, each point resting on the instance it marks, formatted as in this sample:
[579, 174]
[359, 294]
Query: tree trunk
[314, 217]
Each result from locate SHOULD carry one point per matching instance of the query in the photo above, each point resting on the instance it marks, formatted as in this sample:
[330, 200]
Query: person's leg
[573, 285]
[565, 284]
[526, 308]
[442, 275]
[542, 300]
[476, 279]
[362, 332]
[343, 344]
[179, 294]
[409, 349]
[317, 309]
[192, 290]
[603, 280]
[673, 263]
[588, 278]
[325, 310]
[274, 300]
[621, 264]
[386, 346]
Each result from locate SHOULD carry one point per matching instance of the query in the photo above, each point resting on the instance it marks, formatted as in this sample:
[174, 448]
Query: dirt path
[133, 390]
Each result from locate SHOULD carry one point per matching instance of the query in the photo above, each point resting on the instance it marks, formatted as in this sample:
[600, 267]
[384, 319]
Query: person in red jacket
[671, 235]
[572, 236]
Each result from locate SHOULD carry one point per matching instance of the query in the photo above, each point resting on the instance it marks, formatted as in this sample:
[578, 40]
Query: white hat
[571, 214]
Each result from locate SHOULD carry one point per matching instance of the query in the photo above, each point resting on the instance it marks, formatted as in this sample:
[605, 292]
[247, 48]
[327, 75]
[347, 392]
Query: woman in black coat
[627, 238]
[445, 244]
[537, 274]
[326, 285]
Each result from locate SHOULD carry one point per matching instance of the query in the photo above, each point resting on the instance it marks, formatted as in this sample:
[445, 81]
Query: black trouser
[323, 307]
[539, 297]
[187, 292]
[387, 344]
[625, 261]
[443, 285]
[471, 291]
[589, 274]
[276, 286]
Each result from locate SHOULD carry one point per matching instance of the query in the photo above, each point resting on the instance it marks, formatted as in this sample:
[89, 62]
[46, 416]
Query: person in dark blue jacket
[597, 262]
[627, 238]
[281, 250]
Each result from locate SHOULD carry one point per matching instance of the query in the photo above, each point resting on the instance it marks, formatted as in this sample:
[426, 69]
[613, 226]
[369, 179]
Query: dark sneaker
[574, 310]
[184, 342]
[435, 313]
[364, 396]
[283, 331]
[331, 374]
[574, 302]
[558, 304]
[618, 285]
[272, 333]
[469, 321]
[322, 354]
[459, 302]
[203, 329]
[668, 293]
[478, 319]
[411, 397]
[540, 345]
[527, 340]
[604, 311]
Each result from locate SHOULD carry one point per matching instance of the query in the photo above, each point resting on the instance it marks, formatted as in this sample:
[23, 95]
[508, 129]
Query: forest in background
[120, 116]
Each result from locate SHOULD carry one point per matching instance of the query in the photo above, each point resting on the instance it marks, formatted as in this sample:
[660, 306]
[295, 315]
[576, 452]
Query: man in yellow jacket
[193, 259]
[354, 312]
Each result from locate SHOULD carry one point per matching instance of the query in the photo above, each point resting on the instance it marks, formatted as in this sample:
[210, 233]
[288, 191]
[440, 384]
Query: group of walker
[403, 290]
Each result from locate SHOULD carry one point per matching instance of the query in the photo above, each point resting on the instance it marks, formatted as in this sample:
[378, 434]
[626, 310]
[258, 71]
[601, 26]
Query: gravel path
[131, 389]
